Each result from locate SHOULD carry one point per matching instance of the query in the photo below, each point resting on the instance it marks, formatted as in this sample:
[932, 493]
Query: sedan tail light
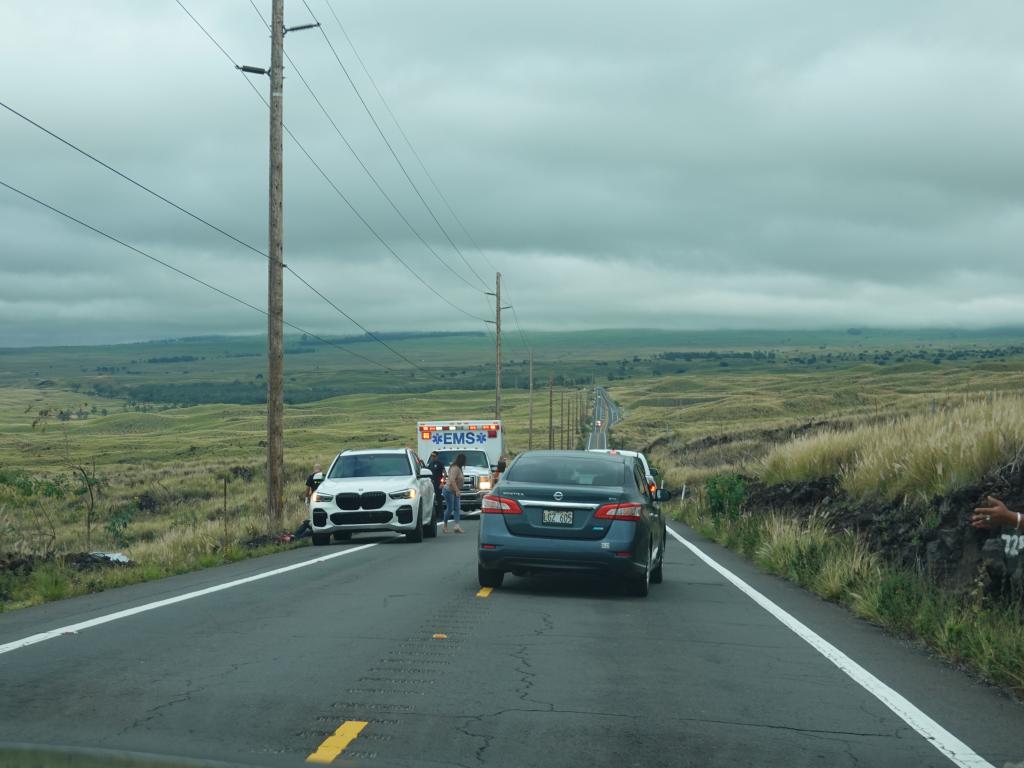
[625, 511]
[499, 505]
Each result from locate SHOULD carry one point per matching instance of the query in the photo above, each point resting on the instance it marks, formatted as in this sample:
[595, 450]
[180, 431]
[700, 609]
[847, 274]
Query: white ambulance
[483, 442]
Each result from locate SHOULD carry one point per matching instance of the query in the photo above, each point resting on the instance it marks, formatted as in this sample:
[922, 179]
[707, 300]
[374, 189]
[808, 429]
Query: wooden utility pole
[275, 280]
[551, 412]
[275, 268]
[497, 345]
[531, 401]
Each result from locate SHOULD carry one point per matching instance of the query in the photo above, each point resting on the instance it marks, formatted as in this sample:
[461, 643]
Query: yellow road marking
[485, 592]
[335, 744]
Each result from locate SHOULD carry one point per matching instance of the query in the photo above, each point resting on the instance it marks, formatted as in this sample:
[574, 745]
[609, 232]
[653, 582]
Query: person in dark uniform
[437, 473]
[312, 483]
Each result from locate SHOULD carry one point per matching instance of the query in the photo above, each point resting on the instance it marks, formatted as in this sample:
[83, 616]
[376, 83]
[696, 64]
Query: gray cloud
[733, 164]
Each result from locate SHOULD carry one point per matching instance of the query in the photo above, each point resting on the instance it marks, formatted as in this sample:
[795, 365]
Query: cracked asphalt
[546, 671]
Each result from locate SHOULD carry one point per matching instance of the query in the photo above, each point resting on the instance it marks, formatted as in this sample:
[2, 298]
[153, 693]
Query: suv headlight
[408, 493]
[317, 496]
[485, 483]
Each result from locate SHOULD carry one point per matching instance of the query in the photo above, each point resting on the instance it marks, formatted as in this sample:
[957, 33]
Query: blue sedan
[573, 511]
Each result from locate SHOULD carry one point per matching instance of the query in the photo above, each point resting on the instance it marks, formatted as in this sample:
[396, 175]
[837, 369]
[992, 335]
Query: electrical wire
[359, 160]
[405, 137]
[419, 159]
[394, 154]
[183, 273]
[212, 226]
[334, 186]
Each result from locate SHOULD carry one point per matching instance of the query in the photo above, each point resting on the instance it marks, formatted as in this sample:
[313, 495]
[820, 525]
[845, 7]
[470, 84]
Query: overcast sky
[676, 164]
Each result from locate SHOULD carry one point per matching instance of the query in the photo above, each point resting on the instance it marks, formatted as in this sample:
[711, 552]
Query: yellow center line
[485, 592]
[335, 744]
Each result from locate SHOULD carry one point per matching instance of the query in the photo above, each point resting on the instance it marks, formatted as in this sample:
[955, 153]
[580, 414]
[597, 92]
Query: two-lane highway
[391, 655]
[545, 671]
[606, 414]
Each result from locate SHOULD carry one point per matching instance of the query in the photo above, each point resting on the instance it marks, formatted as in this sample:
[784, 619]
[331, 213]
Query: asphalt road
[546, 671]
[605, 412]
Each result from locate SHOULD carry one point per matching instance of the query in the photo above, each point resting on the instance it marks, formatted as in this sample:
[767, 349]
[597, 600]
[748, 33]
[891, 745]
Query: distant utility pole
[571, 425]
[275, 270]
[561, 423]
[551, 412]
[531, 401]
[497, 343]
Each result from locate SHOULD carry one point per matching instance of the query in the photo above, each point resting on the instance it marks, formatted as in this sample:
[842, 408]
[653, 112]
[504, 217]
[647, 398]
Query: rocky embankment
[933, 535]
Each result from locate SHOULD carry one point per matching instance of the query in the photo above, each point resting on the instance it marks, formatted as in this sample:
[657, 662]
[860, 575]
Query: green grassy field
[699, 403]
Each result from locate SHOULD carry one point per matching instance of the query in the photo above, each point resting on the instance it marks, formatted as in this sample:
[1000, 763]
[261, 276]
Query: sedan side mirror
[424, 472]
[662, 494]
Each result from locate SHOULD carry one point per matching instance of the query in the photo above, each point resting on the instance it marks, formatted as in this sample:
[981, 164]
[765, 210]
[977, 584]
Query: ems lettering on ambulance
[458, 438]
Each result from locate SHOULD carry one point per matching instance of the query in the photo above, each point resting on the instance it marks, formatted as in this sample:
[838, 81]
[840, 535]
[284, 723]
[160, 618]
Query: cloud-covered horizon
[665, 164]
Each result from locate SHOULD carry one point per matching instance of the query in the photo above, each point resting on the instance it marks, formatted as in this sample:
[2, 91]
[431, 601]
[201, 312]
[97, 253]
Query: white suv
[384, 489]
[649, 471]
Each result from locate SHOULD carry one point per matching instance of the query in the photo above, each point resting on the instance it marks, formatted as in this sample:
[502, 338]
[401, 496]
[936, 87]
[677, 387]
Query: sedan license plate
[557, 517]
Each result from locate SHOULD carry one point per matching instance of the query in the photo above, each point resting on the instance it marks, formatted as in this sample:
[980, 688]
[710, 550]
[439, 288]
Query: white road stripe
[42, 636]
[944, 741]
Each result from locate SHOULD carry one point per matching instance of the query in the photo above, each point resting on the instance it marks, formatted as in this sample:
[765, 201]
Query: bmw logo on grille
[558, 495]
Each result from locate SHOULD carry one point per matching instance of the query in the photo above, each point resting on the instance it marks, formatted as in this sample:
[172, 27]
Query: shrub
[725, 495]
[117, 524]
[824, 454]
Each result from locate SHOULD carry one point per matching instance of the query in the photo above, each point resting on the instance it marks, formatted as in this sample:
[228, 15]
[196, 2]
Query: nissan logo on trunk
[558, 495]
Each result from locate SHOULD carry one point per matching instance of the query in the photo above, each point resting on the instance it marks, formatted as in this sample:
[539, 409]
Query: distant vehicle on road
[383, 489]
[573, 511]
[599, 423]
[649, 471]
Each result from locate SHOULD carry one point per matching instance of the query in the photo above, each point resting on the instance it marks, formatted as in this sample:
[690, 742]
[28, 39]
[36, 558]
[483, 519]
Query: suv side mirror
[424, 472]
[662, 494]
[654, 472]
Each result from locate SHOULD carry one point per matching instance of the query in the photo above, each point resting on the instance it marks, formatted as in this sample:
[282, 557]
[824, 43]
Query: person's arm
[995, 514]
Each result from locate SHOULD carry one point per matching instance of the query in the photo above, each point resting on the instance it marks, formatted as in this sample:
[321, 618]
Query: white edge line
[944, 741]
[71, 628]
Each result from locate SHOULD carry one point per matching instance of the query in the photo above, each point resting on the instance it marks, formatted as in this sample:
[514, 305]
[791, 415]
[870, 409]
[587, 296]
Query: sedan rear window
[371, 465]
[566, 471]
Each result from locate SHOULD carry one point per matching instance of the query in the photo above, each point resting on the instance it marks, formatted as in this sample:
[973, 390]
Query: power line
[337, 191]
[359, 160]
[405, 137]
[419, 160]
[203, 221]
[183, 273]
[392, 149]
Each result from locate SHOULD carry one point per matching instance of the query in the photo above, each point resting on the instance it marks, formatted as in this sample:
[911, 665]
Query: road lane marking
[335, 744]
[485, 592]
[944, 741]
[73, 628]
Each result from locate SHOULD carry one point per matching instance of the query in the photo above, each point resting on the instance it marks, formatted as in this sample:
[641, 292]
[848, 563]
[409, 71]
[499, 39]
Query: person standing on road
[453, 493]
